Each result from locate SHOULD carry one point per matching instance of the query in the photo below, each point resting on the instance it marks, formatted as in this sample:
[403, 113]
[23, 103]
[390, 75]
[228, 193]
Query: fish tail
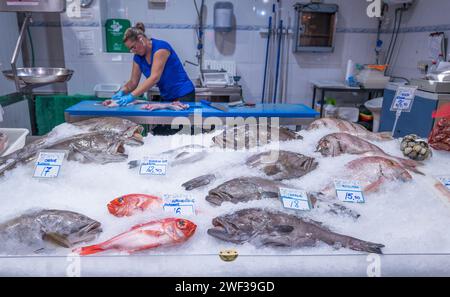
[385, 135]
[410, 165]
[89, 250]
[365, 246]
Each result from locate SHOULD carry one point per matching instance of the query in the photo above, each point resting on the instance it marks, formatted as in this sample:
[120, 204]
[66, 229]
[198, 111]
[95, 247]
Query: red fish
[165, 232]
[128, 205]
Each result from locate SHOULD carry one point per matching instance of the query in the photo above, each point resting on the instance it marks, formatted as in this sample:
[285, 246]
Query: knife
[218, 106]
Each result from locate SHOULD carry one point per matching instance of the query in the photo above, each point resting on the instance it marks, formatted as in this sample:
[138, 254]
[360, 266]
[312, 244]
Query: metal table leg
[314, 97]
[322, 102]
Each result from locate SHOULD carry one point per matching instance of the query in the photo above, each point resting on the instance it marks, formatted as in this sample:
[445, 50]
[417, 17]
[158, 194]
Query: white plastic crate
[16, 139]
[106, 90]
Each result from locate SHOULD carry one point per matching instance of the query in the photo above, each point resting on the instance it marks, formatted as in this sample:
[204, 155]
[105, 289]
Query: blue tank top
[174, 82]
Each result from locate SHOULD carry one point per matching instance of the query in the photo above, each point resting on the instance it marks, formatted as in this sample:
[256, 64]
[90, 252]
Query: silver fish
[336, 144]
[372, 172]
[130, 131]
[350, 128]
[29, 232]
[281, 165]
[97, 147]
[268, 228]
[199, 182]
[249, 136]
[3, 142]
[245, 189]
[186, 154]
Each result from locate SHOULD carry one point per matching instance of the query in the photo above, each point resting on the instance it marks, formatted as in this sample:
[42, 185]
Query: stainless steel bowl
[40, 75]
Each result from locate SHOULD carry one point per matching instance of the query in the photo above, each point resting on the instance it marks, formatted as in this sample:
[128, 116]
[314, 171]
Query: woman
[160, 65]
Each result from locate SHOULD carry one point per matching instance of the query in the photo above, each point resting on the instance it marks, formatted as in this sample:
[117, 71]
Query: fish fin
[89, 250]
[365, 246]
[152, 232]
[373, 187]
[284, 228]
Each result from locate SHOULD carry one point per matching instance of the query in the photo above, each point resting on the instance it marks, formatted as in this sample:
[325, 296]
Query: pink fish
[129, 205]
[165, 232]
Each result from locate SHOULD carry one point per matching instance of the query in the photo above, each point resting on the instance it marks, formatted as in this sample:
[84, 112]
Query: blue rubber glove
[126, 99]
[118, 95]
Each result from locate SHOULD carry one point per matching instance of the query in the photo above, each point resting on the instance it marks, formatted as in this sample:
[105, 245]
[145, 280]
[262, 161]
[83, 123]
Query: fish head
[123, 206]
[325, 147]
[186, 227]
[225, 228]
[134, 136]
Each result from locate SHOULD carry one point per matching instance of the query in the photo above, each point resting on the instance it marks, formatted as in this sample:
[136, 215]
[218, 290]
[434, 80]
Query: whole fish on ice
[29, 232]
[199, 182]
[336, 144]
[165, 232]
[372, 172]
[245, 189]
[183, 155]
[281, 164]
[94, 147]
[131, 204]
[249, 136]
[350, 128]
[3, 142]
[268, 228]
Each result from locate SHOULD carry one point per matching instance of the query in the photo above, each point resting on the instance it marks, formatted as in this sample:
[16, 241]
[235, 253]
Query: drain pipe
[277, 72]
[269, 35]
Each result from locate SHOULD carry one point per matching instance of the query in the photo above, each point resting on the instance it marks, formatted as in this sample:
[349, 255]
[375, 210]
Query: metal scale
[29, 78]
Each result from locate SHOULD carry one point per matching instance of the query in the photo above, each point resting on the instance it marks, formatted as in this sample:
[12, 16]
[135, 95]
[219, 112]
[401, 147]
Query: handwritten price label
[153, 167]
[349, 191]
[48, 164]
[295, 199]
[179, 204]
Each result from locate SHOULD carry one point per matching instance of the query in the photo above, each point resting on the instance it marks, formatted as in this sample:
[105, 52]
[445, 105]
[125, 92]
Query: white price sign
[445, 180]
[295, 199]
[49, 164]
[349, 191]
[179, 204]
[404, 99]
[153, 167]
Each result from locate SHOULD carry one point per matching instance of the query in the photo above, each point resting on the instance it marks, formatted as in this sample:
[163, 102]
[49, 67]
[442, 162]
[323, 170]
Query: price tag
[349, 191]
[295, 199]
[445, 180]
[150, 166]
[49, 164]
[179, 204]
[404, 99]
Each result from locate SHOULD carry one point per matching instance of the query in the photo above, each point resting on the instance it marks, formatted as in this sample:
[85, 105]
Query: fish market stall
[103, 215]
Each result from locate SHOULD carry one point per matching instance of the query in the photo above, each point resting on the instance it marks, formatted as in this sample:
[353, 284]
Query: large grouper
[33, 231]
[250, 136]
[269, 228]
[244, 189]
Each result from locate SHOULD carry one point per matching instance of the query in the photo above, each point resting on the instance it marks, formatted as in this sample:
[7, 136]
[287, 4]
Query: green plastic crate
[50, 110]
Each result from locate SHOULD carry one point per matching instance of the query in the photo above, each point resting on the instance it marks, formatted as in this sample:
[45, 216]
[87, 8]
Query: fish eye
[120, 200]
[181, 224]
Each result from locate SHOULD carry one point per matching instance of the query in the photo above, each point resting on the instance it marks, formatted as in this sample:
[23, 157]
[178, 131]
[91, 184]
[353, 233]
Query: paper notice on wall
[435, 46]
[85, 43]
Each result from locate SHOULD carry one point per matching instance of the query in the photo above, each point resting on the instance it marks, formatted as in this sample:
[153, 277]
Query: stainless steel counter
[214, 94]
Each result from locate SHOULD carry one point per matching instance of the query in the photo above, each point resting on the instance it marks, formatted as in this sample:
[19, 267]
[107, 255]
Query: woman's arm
[132, 84]
[159, 62]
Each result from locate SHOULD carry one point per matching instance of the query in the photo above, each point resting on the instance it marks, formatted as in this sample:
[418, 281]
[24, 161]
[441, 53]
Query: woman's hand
[118, 95]
[125, 100]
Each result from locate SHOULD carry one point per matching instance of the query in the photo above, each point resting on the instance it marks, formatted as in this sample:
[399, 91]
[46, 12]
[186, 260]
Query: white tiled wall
[413, 47]
[246, 47]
